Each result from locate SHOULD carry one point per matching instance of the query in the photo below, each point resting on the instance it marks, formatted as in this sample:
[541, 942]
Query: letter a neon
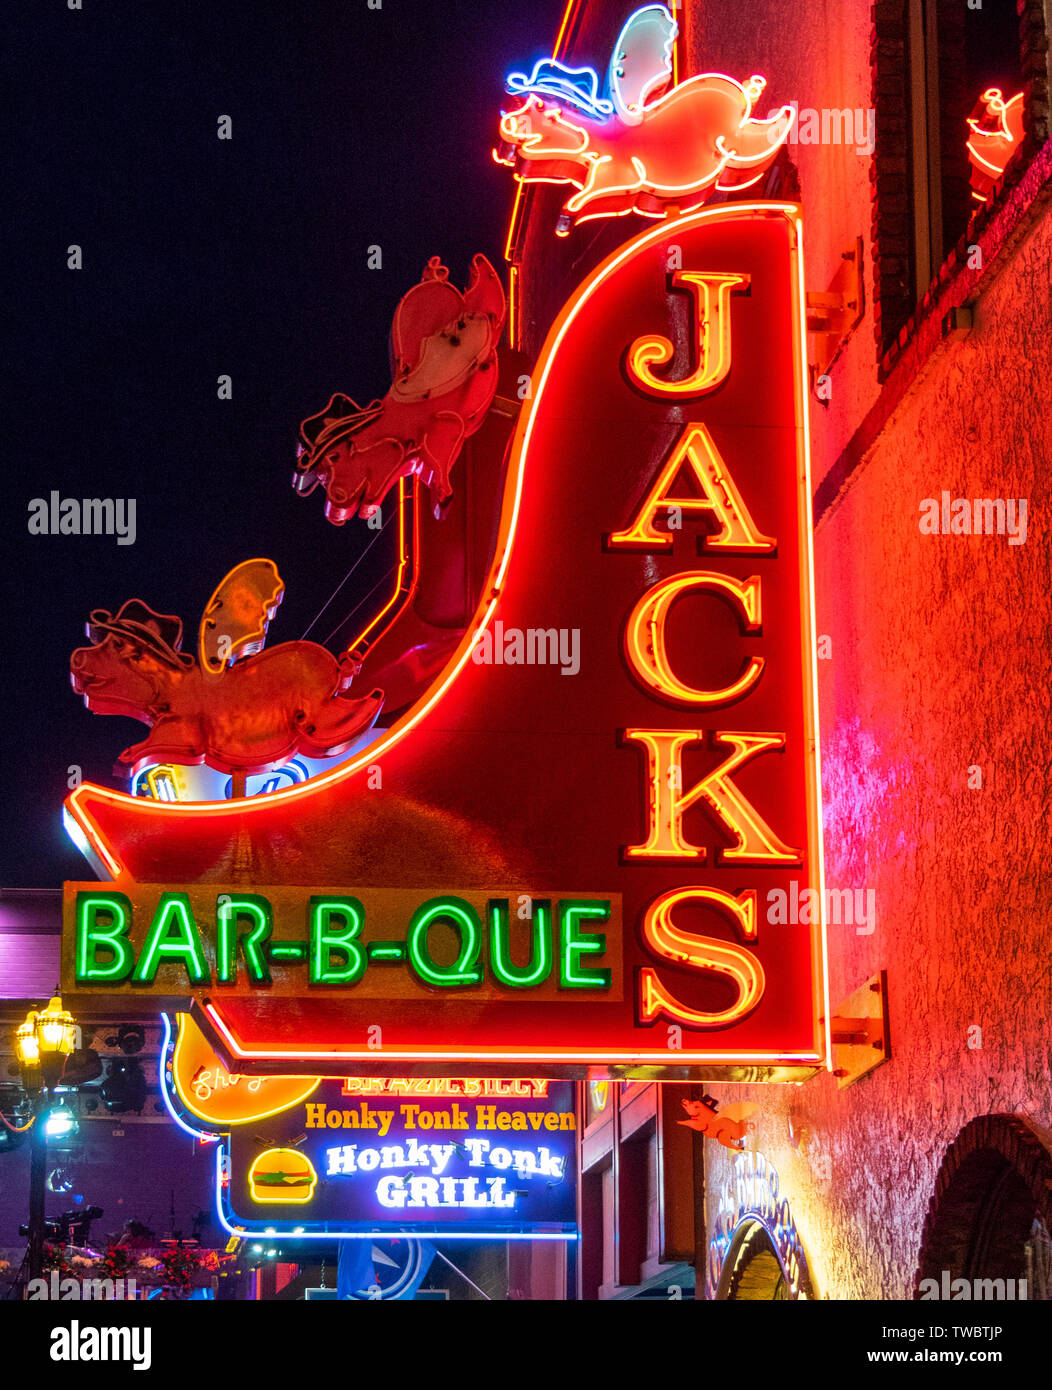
[756, 841]
[720, 498]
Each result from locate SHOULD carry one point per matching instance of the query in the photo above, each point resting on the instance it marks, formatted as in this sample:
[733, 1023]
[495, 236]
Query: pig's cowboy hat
[161, 634]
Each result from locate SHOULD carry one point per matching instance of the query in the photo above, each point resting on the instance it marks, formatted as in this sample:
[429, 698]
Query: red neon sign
[675, 772]
[995, 133]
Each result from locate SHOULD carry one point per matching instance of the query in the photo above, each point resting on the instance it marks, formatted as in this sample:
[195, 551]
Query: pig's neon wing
[641, 63]
[238, 614]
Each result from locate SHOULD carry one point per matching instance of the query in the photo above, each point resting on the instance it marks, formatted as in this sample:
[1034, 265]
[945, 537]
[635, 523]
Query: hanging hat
[339, 418]
[159, 633]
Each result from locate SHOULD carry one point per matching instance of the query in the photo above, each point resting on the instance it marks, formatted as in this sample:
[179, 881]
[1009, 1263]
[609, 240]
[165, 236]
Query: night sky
[351, 128]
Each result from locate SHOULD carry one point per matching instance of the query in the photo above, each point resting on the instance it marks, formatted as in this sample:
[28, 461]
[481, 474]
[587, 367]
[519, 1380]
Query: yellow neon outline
[153, 774]
[695, 446]
[665, 838]
[711, 367]
[193, 1104]
[258, 633]
[701, 953]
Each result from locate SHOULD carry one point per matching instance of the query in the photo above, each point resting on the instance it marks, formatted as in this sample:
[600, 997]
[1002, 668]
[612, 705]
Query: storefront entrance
[752, 1272]
[988, 1221]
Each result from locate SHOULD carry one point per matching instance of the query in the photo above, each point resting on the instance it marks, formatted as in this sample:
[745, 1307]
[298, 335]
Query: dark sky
[351, 127]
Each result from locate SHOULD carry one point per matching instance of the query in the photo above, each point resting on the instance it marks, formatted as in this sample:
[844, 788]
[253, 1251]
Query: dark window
[934, 59]
[954, 54]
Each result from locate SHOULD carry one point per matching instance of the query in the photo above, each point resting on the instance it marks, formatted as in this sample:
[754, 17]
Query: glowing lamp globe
[26, 1044]
[56, 1031]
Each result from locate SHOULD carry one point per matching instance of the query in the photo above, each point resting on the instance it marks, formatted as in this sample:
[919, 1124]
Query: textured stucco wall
[940, 662]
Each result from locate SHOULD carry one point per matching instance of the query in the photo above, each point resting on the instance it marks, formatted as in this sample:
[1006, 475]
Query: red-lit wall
[939, 657]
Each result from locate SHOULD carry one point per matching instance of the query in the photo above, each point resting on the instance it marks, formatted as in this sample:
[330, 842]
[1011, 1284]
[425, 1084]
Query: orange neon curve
[517, 207]
[408, 555]
[513, 221]
[561, 36]
[513, 294]
[478, 1054]
[273, 1094]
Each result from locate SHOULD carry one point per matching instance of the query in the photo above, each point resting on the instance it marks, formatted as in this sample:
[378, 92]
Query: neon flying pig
[444, 378]
[657, 149]
[728, 1126]
[236, 708]
[620, 169]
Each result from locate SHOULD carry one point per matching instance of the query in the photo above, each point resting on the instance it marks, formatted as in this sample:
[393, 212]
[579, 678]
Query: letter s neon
[701, 953]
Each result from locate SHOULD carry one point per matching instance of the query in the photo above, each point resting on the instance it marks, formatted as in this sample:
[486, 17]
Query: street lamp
[43, 1042]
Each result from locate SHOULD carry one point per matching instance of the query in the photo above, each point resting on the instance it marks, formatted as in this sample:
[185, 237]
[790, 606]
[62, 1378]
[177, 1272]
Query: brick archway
[993, 1191]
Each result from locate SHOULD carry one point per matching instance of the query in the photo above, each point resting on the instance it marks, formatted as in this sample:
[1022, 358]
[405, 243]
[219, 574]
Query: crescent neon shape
[77, 818]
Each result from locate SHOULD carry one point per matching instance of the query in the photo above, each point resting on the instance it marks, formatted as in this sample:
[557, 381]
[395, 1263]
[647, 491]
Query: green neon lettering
[228, 911]
[500, 962]
[465, 969]
[343, 940]
[111, 936]
[573, 944]
[393, 951]
[172, 937]
[288, 950]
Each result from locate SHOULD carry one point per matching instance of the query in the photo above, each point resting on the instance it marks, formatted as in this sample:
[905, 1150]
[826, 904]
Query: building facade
[931, 438]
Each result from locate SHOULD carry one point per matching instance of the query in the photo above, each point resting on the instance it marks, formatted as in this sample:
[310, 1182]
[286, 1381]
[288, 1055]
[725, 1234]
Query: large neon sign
[657, 502]
[461, 1169]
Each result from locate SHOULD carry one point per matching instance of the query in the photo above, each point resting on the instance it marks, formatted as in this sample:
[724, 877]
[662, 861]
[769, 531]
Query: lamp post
[43, 1043]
